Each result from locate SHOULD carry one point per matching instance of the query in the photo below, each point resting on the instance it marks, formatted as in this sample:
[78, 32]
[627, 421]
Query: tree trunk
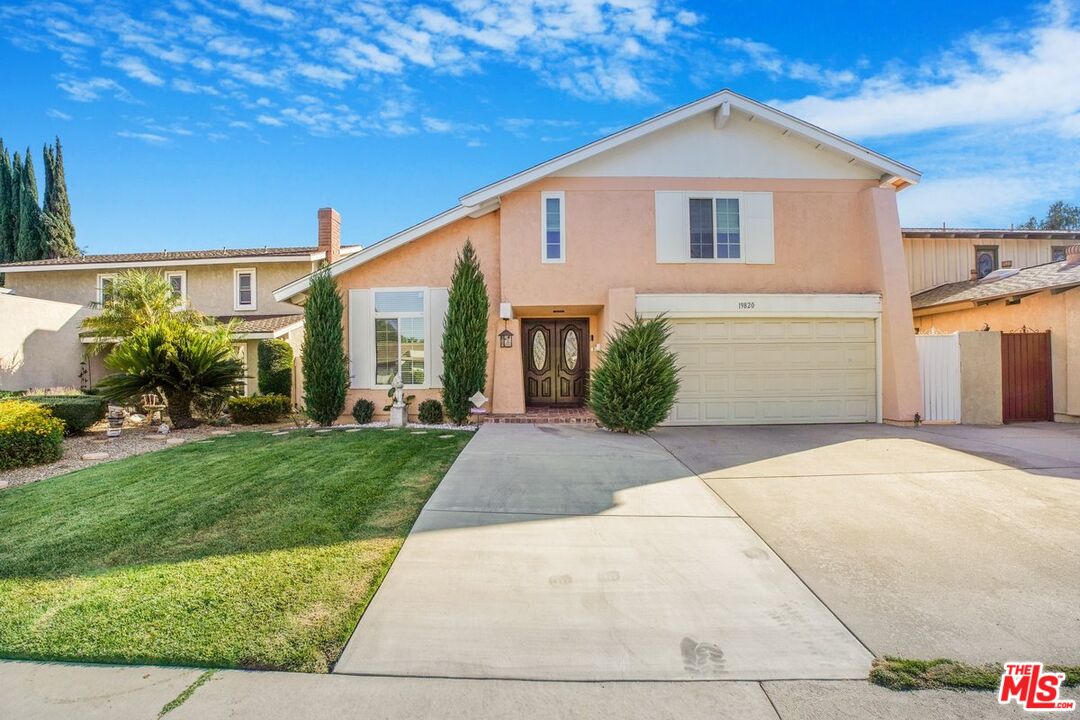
[179, 406]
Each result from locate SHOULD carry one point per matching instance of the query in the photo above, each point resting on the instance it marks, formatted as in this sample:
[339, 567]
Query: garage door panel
[775, 370]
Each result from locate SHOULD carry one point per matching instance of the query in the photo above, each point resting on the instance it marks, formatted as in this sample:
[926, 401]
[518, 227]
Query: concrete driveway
[567, 553]
[949, 541]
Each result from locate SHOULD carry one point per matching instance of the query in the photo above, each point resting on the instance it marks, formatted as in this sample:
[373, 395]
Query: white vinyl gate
[939, 369]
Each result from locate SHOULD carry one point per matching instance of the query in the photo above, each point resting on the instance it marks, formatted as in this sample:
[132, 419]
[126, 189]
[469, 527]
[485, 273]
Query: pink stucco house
[773, 245]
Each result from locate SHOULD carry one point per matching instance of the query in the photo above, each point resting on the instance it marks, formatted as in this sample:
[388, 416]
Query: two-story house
[44, 302]
[772, 245]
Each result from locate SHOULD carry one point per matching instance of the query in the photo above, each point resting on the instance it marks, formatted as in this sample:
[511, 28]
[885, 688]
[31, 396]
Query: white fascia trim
[286, 292]
[759, 305]
[885, 165]
[245, 260]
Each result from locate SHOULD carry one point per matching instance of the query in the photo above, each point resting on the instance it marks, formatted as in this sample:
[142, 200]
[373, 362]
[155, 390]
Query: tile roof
[148, 257]
[260, 323]
[1029, 280]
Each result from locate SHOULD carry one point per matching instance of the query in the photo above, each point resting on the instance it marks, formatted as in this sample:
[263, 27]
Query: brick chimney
[330, 233]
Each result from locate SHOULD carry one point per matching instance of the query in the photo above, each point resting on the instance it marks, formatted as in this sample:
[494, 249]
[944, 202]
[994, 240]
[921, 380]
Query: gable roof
[172, 259]
[723, 103]
[1059, 276]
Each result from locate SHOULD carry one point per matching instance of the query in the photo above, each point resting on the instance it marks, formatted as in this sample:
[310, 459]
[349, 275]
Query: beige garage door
[777, 370]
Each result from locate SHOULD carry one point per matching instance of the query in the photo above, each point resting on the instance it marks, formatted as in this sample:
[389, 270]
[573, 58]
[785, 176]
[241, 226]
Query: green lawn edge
[897, 673]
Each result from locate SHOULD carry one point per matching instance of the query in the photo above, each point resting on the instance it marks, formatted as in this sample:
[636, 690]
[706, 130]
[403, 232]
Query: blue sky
[197, 124]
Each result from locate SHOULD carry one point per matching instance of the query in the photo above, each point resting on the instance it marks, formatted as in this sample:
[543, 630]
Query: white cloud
[765, 58]
[1011, 77]
[266, 9]
[58, 114]
[149, 138]
[270, 120]
[323, 74]
[135, 68]
[90, 89]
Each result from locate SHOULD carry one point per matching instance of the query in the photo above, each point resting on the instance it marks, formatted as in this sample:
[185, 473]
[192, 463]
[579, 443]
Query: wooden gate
[1027, 390]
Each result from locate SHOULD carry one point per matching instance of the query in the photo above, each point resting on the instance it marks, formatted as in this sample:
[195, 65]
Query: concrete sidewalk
[55, 691]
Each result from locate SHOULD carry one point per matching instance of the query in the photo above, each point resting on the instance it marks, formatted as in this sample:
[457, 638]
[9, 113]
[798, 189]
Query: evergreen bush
[464, 344]
[633, 387]
[258, 409]
[430, 412]
[29, 434]
[275, 367]
[362, 411]
[326, 368]
[78, 412]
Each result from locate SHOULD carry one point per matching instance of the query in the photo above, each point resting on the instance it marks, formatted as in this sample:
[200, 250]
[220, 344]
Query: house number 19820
[746, 306]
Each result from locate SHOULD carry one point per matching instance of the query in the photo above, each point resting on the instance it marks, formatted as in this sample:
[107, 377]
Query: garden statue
[398, 413]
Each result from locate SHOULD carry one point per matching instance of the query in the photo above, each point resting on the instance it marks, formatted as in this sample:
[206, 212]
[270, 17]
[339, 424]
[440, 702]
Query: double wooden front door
[556, 361]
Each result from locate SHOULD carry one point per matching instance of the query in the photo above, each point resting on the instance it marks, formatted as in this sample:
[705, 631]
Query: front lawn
[245, 551]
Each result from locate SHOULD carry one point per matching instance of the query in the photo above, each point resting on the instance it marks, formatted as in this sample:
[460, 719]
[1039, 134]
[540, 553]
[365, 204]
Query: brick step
[546, 416]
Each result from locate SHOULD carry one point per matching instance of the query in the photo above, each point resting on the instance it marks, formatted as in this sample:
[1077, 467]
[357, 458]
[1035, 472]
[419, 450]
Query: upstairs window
[104, 288]
[400, 336]
[1057, 253]
[177, 280]
[244, 288]
[552, 227]
[714, 229]
[986, 260]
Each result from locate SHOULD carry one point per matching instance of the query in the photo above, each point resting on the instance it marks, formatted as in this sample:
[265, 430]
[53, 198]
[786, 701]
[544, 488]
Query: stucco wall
[1060, 314]
[39, 343]
[209, 287]
[980, 378]
[819, 227]
[429, 262]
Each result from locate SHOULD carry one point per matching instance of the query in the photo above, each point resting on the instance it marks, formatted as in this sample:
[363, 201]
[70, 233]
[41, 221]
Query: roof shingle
[1059, 275]
[149, 257]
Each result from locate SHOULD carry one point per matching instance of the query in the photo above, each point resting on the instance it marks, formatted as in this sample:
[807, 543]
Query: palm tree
[136, 299]
[182, 361]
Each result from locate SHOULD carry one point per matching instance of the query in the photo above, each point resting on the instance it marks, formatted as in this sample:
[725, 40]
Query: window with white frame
[714, 229]
[400, 336]
[104, 287]
[244, 288]
[177, 280]
[552, 227]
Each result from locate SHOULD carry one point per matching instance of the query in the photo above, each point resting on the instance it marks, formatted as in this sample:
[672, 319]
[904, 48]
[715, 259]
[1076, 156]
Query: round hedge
[430, 412]
[362, 411]
[29, 434]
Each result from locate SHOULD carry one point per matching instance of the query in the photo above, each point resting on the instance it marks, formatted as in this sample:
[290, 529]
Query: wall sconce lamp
[506, 339]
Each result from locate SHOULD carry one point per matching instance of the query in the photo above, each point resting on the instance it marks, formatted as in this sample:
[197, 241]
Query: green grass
[247, 551]
[904, 674]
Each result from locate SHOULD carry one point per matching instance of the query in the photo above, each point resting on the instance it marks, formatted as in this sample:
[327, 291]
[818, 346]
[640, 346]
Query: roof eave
[885, 165]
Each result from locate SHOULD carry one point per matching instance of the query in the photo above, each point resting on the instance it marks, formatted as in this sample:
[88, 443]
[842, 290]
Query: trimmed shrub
[258, 409]
[634, 386]
[464, 347]
[275, 367]
[29, 434]
[78, 412]
[362, 411]
[430, 412]
[326, 368]
[5, 394]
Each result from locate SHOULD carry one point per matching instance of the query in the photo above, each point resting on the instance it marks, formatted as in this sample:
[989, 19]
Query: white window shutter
[672, 227]
[361, 340]
[758, 211]
[438, 302]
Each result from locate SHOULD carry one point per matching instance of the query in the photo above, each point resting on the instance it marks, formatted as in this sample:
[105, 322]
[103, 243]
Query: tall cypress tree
[56, 218]
[29, 243]
[14, 195]
[326, 368]
[7, 239]
[464, 344]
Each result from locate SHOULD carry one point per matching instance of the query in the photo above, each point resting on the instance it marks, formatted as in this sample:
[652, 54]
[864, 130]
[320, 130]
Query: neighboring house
[774, 246]
[41, 344]
[936, 256]
[1041, 298]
